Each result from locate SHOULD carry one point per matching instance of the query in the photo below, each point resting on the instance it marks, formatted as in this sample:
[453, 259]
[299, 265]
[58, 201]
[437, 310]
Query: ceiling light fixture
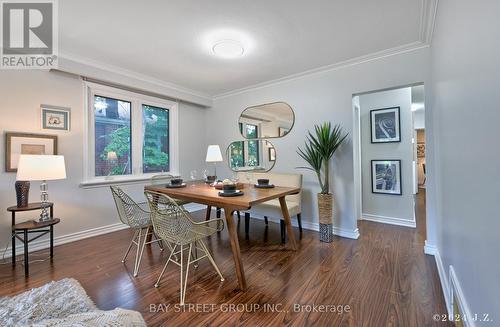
[228, 49]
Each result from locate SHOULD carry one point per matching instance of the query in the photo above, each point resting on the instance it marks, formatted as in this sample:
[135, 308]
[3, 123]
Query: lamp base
[22, 193]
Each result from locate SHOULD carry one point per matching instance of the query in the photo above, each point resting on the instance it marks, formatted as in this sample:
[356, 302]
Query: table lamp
[41, 168]
[213, 155]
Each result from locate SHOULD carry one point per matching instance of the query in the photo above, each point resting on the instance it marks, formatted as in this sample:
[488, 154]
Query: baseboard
[433, 250]
[354, 234]
[430, 249]
[390, 220]
[192, 207]
[457, 293]
[43, 243]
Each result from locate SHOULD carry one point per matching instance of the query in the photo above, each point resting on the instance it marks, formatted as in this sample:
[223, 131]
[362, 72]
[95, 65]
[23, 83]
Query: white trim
[390, 220]
[85, 67]
[457, 292]
[136, 102]
[43, 243]
[324, 69]
[433, 250]
[354, 234]
[428, 20]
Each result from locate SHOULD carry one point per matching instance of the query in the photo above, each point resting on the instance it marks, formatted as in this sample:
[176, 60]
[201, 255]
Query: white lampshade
[40, 168]
[214, 154]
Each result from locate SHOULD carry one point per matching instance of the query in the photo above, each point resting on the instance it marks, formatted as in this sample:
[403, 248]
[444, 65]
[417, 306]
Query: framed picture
[272, 154]
[283, 131]
[386, 177]
[55, 118]
[420, 150]
[385, 125]
[24, 143]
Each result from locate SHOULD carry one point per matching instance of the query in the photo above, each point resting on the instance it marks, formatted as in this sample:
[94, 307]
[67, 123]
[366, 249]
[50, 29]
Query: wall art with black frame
[385, 125]
[386, 177]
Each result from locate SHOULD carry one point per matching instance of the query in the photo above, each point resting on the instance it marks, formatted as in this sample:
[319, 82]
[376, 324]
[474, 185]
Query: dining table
[203, 193]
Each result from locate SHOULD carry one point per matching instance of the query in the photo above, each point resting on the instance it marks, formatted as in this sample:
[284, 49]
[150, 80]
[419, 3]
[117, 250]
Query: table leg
[26, 259]
[13, 247]
[13, 239]
[288, 222]
[51, 241]
[209, 211]
[235, 247]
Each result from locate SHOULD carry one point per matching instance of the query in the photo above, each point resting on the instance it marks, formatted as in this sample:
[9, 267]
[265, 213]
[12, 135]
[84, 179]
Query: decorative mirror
[251, 155]
[272, 120]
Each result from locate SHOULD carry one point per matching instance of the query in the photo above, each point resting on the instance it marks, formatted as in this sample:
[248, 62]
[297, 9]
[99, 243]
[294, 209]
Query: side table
[29, 227]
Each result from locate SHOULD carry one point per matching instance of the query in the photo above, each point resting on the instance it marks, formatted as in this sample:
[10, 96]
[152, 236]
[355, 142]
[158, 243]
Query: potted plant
[318, 151]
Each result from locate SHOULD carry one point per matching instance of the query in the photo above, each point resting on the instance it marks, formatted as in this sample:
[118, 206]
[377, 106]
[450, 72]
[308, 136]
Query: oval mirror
[255, 155]
[270, 120]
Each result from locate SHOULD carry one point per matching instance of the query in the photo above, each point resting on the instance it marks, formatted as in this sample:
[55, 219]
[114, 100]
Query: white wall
[21, 93]
[315, 98]
[466, 71]
[382, 206]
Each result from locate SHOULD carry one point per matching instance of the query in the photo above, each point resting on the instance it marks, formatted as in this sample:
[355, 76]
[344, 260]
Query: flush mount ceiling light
[228, 49]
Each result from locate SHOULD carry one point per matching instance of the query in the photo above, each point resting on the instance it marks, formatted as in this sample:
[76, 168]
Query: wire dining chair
[174, 225]
[138, 217]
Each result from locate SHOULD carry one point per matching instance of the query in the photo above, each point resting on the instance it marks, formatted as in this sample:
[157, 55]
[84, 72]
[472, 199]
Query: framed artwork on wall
[25, 143]
[386, 177]
[272, 154]
[385, 125]
[420, 150]
[55, 118]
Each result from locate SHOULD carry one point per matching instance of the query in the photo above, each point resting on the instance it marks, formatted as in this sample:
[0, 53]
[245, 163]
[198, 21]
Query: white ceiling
[167, 39]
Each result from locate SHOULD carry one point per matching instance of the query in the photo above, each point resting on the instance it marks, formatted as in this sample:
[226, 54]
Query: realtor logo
[29, 36]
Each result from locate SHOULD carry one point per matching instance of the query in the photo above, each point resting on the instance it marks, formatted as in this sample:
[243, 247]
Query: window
[130, 136]
[252, 131]
[244, 154]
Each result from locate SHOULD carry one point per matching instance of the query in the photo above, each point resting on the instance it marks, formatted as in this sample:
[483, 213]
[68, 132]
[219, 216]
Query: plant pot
[325, 206]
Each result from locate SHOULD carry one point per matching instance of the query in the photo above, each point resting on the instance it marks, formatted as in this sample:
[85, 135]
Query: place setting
[263, 183]
[176, 183]
[229, 189]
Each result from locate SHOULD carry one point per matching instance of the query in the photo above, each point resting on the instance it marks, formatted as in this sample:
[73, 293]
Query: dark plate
[238, 193]
[175, 186]
[264, 186]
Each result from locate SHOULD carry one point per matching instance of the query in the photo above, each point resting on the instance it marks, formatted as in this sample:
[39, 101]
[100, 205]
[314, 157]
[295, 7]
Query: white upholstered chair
[272, 208]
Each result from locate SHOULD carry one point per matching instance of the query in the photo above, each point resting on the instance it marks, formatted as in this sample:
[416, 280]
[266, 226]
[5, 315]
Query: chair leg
[247, 223]
[160, 242]
[299, 221]
[265, 220]
[218, 212]
[212, 261]
[130, 246]
[165, 267]
[183, 295]
[195, 254]
[182, 274]
[239, 215]
[140, 250]
[283, 231]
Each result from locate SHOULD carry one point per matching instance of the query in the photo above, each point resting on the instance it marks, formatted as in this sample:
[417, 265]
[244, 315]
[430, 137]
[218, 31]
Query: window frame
[137, 101]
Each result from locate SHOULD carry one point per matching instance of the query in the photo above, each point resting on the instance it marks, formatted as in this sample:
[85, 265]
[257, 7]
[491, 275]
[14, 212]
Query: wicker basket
[325, 206]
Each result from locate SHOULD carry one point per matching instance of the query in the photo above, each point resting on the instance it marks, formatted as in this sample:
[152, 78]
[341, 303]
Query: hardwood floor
[383, 277]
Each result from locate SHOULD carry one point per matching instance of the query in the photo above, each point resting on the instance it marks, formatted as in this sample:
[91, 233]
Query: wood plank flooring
[383, 277]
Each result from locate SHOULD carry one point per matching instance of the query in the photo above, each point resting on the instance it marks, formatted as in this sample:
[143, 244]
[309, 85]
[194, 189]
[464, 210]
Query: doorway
[389, 156]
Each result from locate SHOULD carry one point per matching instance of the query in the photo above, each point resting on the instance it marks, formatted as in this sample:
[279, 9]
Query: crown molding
[85, 67]
[428, 20]
[328, 68]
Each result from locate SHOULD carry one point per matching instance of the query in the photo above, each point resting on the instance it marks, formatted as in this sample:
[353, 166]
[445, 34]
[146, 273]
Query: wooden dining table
[200, 192]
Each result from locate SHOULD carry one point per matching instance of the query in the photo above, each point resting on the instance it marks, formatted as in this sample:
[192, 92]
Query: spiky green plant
[319, 149]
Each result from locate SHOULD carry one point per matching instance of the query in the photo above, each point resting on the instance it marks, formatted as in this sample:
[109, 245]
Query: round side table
[29, 227]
